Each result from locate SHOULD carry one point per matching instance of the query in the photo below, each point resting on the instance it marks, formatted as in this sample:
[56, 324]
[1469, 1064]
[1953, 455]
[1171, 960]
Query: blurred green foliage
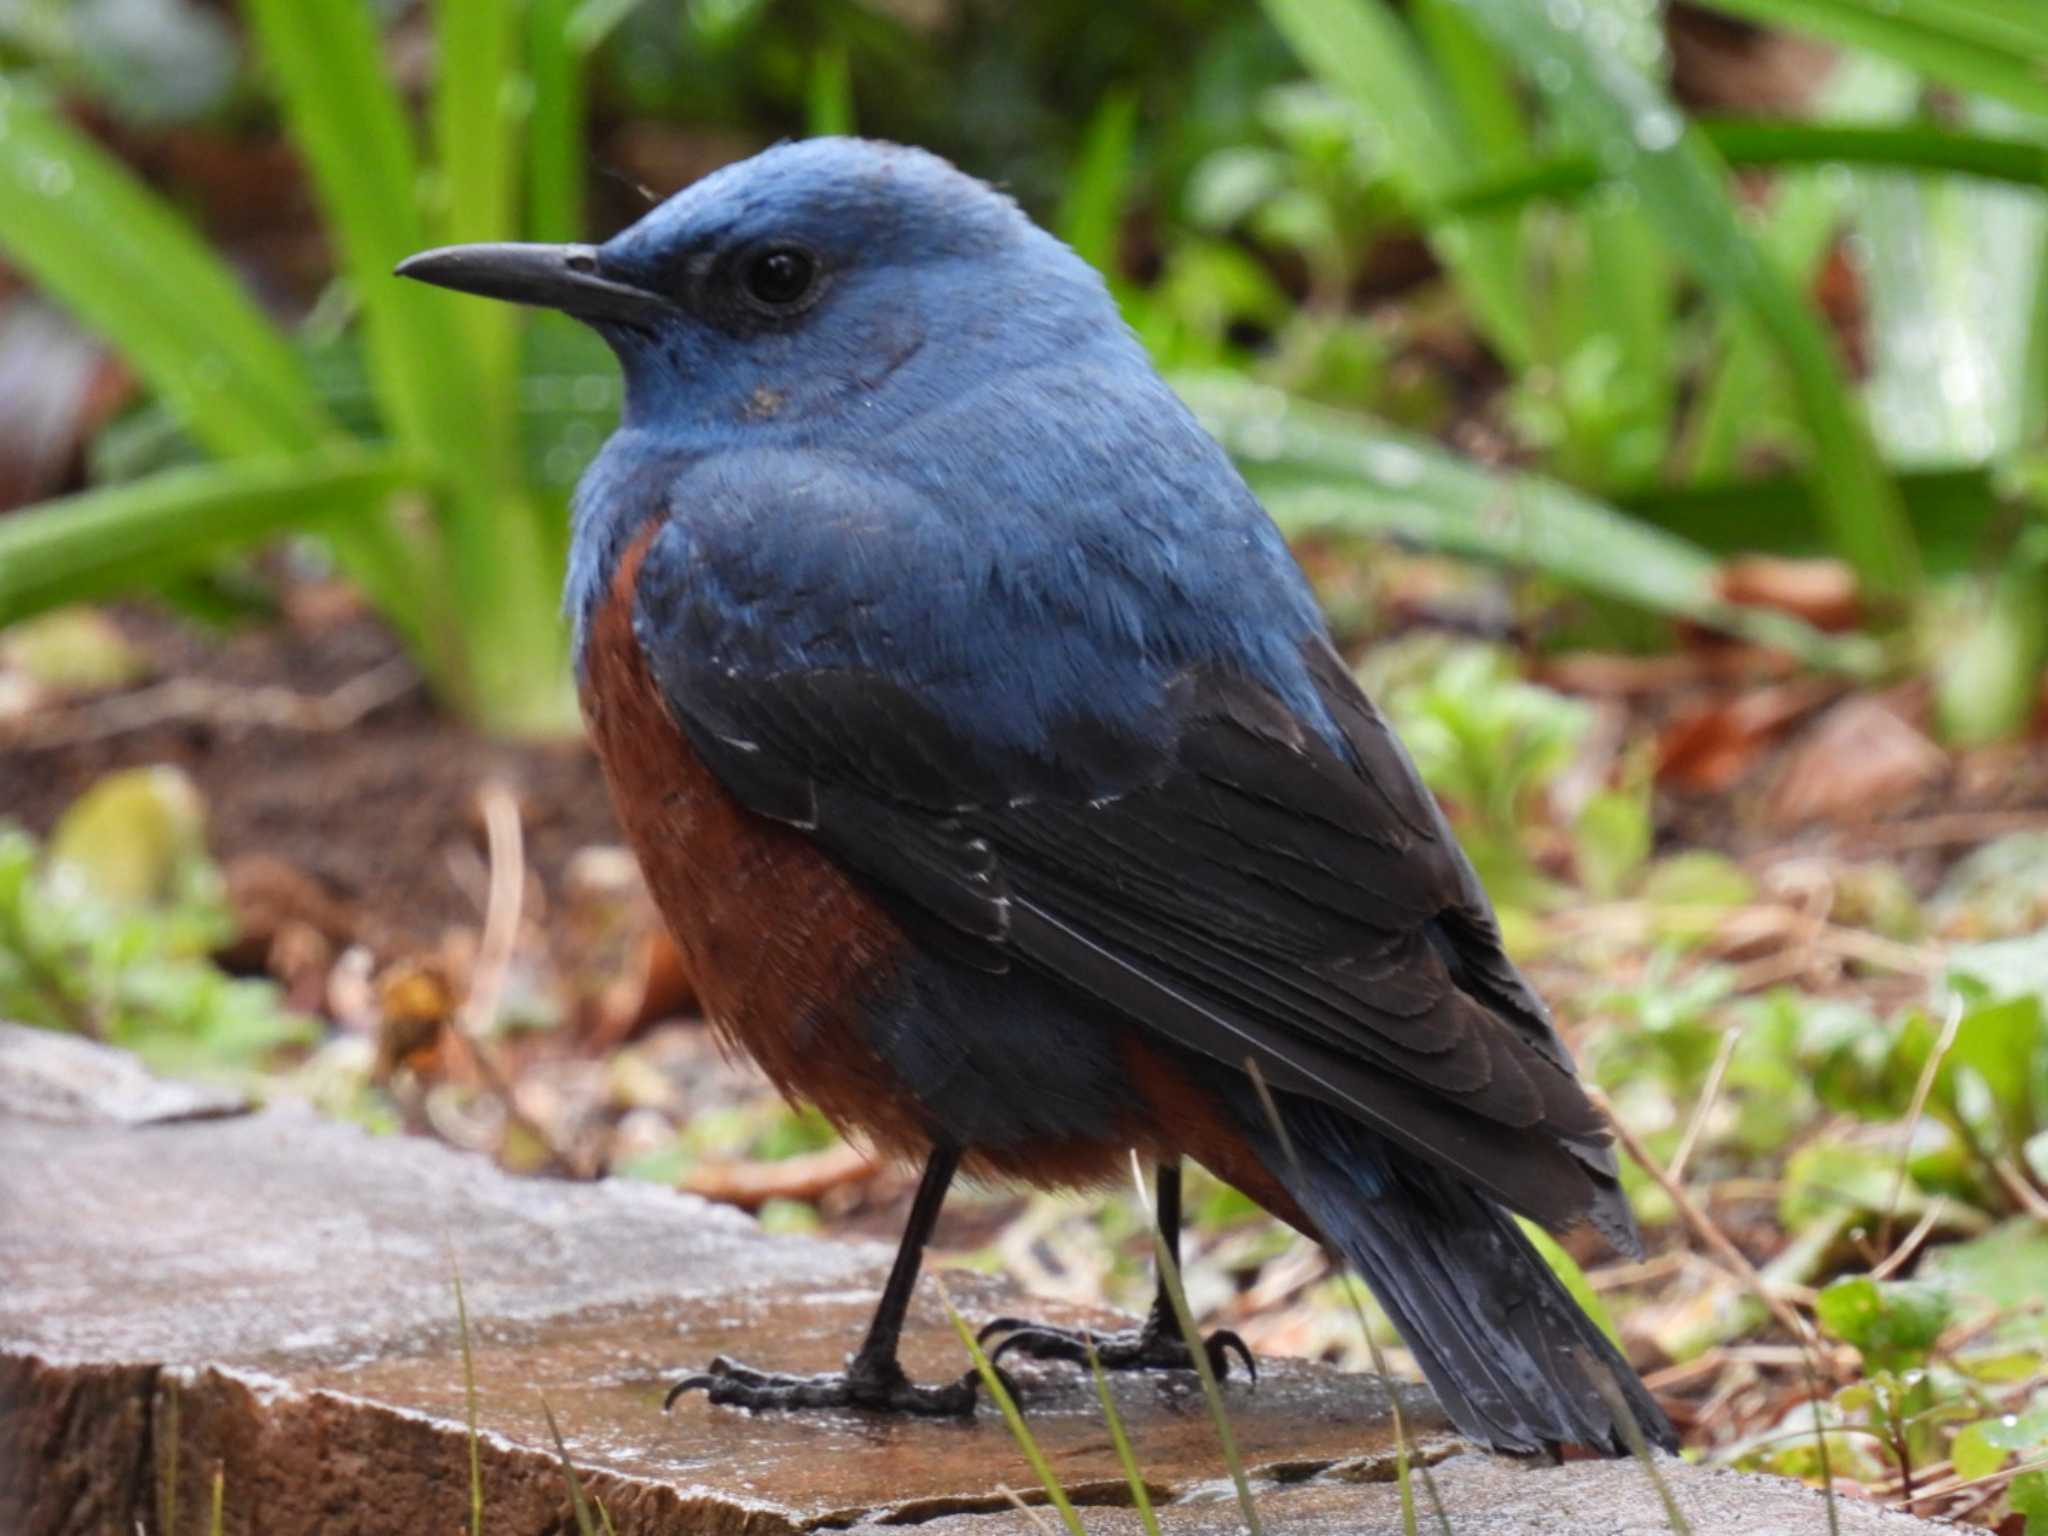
[1596, 285]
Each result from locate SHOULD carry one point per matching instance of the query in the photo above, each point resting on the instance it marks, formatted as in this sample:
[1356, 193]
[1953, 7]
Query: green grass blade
[500, 576]
[98, 240]
[1994, 51]
[1742, 399]
[1141, 1496]
[591, 22]
[1638, 1447]
[1957, 513]
[1205, 1371]
[828, 93]
[1091, 208]
[1480, 88]
[992, 1383]
[476, 1471]
[476, 44]
[1350, 1286]
[1991, 683]
[476, 148]
[1317, 468]
[346, 117]
[1360, 49]
[558, 126]
[169, 1438]
[130, 537]
[579, 1502]
[218, 1521]
[1627, 116]
[1769, 143]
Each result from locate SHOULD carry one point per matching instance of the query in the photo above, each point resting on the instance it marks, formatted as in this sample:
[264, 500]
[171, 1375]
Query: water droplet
[1261, 440]
[1554, 76]
[51, 178]
[592, 392]
[1658, 129]
[1393, 464]
[2009, 1421]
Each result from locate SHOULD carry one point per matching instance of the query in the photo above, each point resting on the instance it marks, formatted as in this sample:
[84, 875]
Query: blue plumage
[995, 536]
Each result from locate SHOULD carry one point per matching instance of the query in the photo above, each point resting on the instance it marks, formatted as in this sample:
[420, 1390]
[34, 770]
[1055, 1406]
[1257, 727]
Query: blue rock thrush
[989, 758]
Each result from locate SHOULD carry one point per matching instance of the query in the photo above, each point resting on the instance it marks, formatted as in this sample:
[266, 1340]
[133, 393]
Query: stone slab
[268, 1295]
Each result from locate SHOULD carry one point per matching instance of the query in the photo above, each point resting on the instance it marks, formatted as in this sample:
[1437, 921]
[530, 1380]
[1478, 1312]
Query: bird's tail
[1514, 1361]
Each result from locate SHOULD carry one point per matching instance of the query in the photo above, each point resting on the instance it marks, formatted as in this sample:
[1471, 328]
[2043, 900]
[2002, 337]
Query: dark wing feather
[1241, 887]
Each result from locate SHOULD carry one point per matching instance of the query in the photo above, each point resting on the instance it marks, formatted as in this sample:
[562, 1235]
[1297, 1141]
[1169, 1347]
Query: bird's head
[816, 280]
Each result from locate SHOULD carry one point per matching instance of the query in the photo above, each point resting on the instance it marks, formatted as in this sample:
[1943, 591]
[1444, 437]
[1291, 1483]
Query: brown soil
[381, 812]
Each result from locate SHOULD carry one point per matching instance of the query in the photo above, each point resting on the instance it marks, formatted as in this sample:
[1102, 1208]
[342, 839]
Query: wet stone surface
[267, 1294]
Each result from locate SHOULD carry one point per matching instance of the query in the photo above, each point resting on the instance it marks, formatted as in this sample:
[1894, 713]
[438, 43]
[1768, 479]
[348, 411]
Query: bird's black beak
[564, 277]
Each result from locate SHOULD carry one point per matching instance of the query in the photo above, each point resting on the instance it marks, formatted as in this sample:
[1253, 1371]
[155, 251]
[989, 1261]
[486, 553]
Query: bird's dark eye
[780, 276]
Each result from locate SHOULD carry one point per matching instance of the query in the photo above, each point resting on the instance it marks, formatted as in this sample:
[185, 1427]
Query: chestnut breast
[785, 951]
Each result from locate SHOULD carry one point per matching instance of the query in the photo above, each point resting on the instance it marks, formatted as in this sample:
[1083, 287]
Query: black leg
[872, 1378]
[1157, 1345]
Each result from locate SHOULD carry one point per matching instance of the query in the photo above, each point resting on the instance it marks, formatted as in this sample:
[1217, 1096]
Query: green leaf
[349, 123]
[1981, 1448]
[1317, 468]
[2003, 1269]
[1091, 208]
[1361, 49]
[130, 537]
[1995, 50]
[1893, 1323]
[2028, 1497]
[94, 237]
[1954, 512]
[1630, 121]
[2006, 967]
[558, 126]
[134, 838]
[450, 406]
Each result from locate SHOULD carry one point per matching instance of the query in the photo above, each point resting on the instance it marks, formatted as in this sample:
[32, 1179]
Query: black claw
[728, 1383]
[1219, 1345]
[1151, 1348]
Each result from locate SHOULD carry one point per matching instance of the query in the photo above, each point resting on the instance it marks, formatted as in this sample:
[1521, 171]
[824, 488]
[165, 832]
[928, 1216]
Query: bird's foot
[1157, 1346]
[881, 1389]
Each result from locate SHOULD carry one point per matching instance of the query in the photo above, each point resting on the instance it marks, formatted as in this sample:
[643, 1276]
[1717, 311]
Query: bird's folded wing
[1236, 884]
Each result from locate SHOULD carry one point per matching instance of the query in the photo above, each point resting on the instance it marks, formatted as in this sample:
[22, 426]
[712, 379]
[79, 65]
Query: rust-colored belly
[784, 950]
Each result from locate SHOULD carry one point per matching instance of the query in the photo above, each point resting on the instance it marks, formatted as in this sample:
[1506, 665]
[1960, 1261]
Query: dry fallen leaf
[1856, 761]
[1822, 592]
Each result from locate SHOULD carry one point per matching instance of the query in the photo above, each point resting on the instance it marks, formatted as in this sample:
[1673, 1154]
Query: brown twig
[806, 1177]
[505, 842]
[1706, 1230]
[1730, 1038]
[189, 698]
[1894, 1261]
[2021, 1188]
[1921, 1090]
[1947, 1486]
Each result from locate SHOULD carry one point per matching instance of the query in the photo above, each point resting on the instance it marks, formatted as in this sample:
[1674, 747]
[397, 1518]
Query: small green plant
[111, 938]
